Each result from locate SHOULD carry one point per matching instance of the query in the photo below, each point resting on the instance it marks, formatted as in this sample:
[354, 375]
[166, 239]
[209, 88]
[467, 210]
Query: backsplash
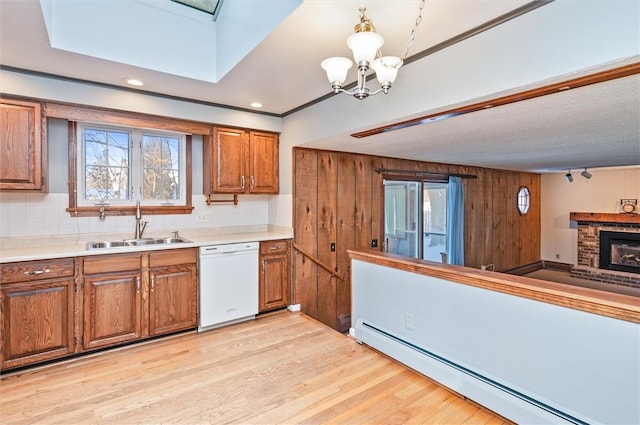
[37, 214]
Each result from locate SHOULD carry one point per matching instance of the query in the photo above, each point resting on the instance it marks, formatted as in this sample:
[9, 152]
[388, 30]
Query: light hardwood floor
[281, 368]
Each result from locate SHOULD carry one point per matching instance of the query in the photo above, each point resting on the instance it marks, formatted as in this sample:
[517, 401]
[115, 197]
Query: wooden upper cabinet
[22, 146]
[241, 161]
[229, 160]
[263, 162]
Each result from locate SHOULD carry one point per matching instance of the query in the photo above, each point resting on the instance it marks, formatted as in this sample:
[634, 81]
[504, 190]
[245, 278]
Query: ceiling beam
[598, 77]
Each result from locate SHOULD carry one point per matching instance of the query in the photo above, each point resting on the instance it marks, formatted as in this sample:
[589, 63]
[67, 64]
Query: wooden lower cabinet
[37, 316]
[53, 308]
[112, 312]
[274, 275]
[173, 300]
[132, 296]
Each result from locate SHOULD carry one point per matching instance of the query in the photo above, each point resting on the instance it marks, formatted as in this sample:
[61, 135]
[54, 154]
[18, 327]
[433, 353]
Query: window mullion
[136, 166]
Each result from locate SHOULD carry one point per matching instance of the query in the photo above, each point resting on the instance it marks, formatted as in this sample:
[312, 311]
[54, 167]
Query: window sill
[129, 210]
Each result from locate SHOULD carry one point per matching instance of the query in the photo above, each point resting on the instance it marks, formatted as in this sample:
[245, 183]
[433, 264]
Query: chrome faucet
[140, 225]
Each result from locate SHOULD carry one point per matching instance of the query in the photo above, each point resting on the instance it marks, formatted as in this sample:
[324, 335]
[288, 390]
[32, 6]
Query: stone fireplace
[608, 248]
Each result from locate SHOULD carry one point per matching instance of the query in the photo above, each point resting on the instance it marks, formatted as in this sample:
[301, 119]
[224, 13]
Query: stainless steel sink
[136, 242]
[106, 244]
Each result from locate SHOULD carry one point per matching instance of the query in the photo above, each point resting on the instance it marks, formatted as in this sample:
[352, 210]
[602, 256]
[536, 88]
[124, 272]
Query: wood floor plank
[282, 368]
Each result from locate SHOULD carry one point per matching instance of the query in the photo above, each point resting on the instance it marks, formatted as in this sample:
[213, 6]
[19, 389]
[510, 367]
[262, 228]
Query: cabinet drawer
[173, 257]
[112, 263]
[273, 247]
[36, 270]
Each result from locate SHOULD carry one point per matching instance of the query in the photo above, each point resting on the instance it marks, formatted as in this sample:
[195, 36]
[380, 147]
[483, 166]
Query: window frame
[135, 184]
[74, 114]
[523, 200]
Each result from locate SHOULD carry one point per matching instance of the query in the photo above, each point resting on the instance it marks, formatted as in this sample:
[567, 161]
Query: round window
[523, 200]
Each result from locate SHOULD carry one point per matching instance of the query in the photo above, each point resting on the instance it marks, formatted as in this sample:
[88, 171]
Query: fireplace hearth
[620, 251]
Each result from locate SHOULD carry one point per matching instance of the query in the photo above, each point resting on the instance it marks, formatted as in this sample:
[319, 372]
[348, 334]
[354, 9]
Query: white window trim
[135, 166]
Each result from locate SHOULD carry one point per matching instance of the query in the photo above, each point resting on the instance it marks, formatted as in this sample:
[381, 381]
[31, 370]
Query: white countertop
[46, 247]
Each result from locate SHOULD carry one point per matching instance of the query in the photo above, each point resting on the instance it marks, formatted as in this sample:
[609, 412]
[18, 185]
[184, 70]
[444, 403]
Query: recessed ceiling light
[134, 82]
[256, 105]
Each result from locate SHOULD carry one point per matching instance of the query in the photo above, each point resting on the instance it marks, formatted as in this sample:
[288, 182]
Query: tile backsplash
[37, 214]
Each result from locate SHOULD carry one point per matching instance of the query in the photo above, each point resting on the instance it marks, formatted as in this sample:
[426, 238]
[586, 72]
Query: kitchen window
[119, 158]
[119, 166]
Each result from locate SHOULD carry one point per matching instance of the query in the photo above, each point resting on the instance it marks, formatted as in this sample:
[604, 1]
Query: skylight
[211, 7]
[165, 35]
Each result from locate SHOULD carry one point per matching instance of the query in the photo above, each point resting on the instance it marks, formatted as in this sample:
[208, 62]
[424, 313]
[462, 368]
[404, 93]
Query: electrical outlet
[374, 243]
[408, 320]
[557, 256]
[204, 217]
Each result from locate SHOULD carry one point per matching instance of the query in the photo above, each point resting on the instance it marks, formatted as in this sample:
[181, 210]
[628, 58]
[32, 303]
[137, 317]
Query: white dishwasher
[228, 279]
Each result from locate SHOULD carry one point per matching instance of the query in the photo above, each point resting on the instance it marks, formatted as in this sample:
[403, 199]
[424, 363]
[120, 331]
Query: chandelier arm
[380, 90]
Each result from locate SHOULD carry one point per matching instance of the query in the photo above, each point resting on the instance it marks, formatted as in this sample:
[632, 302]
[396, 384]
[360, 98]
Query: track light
[586, 174]
[569, 177]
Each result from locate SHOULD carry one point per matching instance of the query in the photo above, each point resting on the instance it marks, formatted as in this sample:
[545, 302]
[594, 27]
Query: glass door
[434, 212]
[415, 219]
[402, 221]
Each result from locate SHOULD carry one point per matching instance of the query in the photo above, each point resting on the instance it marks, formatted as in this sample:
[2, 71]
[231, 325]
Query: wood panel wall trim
[621, 218]
[617, 306]
[597, 77]
[131, 119]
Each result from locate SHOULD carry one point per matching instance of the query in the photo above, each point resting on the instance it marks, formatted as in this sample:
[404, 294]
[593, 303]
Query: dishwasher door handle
[222, 253]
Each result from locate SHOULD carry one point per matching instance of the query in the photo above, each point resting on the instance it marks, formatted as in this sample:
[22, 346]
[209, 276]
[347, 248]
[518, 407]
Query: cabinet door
[274, 282]
[37, 321]
[173, 299]
[22, 145]
[112, 309]
[263, 162]
[229, 161]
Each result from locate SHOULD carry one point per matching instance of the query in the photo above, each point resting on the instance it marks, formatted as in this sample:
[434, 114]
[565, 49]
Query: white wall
[601, 193]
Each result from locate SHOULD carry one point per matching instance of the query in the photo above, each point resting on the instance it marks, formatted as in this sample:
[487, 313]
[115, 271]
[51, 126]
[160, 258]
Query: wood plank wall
[338, 198]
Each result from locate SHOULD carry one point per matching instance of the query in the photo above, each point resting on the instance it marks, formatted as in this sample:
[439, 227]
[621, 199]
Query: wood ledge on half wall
[622, 218]
[617, 306]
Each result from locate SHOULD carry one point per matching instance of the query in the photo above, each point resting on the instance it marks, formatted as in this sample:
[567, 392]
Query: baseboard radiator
[465, 381]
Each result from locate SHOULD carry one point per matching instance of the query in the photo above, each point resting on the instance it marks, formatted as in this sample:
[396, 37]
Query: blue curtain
[455, 221]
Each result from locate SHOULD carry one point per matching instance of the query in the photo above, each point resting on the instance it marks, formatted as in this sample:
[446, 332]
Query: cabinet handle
[37, 272]
[273, 248]
[153, 282]
[242, 182]
[253, 182]
[137, 283]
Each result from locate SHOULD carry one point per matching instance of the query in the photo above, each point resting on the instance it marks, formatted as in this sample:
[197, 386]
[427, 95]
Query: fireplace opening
[620, 251]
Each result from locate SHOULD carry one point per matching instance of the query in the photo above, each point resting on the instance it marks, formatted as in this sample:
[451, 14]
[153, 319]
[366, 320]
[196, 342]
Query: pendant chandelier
[366, 44]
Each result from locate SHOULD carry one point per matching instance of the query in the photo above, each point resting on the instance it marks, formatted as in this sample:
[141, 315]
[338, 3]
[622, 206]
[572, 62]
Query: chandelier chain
[412, 35]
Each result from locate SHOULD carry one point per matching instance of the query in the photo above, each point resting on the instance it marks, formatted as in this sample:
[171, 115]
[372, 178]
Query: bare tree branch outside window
[161, 167]
[106, 159]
